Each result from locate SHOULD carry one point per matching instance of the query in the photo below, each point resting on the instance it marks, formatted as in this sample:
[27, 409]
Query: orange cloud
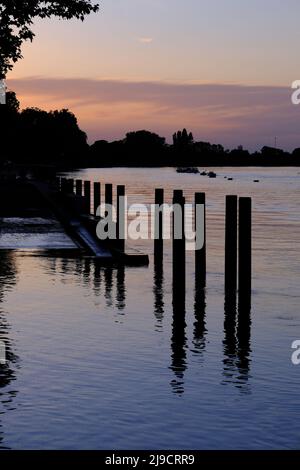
[229, 114]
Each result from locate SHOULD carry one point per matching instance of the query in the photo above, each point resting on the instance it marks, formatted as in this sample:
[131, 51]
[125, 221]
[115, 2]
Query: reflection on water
[100, 279]
[108, 279]
[107, 360]
[178, 347]
[178, 339]
[158, 281]
[121, 289]
[237, 346]
[7, 371]
[108, 282]
[97, 280]
[200, 330]
[244, 345]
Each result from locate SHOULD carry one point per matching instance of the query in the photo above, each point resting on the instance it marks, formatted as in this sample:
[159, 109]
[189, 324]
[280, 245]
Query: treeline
[34, 136]
[37, 136]
[143, 148]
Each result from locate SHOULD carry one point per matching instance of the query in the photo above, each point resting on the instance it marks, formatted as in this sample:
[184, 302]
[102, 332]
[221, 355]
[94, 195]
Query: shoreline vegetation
[33, 137]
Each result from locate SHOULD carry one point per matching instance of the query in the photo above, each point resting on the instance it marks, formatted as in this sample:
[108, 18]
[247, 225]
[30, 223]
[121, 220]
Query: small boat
[212, 174]
[255, 181]
[203, 173]
[191, 170]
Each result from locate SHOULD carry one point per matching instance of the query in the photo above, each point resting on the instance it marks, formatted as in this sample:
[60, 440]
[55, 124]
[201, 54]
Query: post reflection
[87, 266]
[200, 330]
[178, 339]
[8, 272]
[97, 279]
[93, 275]
[244, 342]
[121, 289]
[237, 344]
[230, 339]
[158, 286]
[108, 281]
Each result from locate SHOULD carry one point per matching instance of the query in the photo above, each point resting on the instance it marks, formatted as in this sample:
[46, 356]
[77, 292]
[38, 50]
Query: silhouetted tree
[17, 17]
[176, 138]
[239, 155]
[182, 141]
[100, 151]
[35, 131]
[9, 114]
[12, 102]
[296, 153]
[51, 136]
[143, 148]
[100, 146]
[206, 149]
[144, 139]
[269, 152]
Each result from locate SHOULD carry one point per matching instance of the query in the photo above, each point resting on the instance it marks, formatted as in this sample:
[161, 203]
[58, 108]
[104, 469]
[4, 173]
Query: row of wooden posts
[238, 235]
[82, 189]
[238, 248]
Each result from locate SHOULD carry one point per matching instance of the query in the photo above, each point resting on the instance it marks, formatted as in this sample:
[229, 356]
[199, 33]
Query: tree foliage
[17, 17]
[182, 139]
[36, 136]
[144, 140]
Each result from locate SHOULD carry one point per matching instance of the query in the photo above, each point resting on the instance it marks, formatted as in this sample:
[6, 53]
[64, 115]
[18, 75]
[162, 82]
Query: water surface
[98, 360]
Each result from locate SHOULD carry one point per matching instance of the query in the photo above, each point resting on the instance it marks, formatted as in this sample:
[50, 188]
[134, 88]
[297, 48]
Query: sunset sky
[222, 68]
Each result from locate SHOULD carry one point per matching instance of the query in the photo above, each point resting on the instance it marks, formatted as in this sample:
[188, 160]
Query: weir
[60, 207]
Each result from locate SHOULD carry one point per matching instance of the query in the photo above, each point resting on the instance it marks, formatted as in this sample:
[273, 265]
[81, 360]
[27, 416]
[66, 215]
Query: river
[96, 360]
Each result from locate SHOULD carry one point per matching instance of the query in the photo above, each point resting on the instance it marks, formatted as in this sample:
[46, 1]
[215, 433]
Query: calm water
[96, 360]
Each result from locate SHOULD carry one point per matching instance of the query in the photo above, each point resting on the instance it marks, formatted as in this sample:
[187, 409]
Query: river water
[95, 359]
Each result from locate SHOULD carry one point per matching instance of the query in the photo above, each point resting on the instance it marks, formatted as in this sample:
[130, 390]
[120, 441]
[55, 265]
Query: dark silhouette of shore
[33, 137]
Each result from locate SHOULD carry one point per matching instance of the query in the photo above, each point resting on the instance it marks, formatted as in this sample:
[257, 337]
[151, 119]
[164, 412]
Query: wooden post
[108, 194]
[70, 186]
[87, 195]
[63, 186]
[200, 254]
[121, 217]
[159, 220]
[178, 244]
[78, 187]
[179, 277]
[178, 340]
[97, 197]
[245, 248]
[158, 256]
[57, 183]
[231, 245]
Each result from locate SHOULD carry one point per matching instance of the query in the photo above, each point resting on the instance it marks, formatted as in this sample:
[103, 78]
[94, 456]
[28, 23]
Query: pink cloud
[229, 114]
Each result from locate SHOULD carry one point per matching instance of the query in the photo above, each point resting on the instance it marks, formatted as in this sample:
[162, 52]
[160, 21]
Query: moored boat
[191, 170]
